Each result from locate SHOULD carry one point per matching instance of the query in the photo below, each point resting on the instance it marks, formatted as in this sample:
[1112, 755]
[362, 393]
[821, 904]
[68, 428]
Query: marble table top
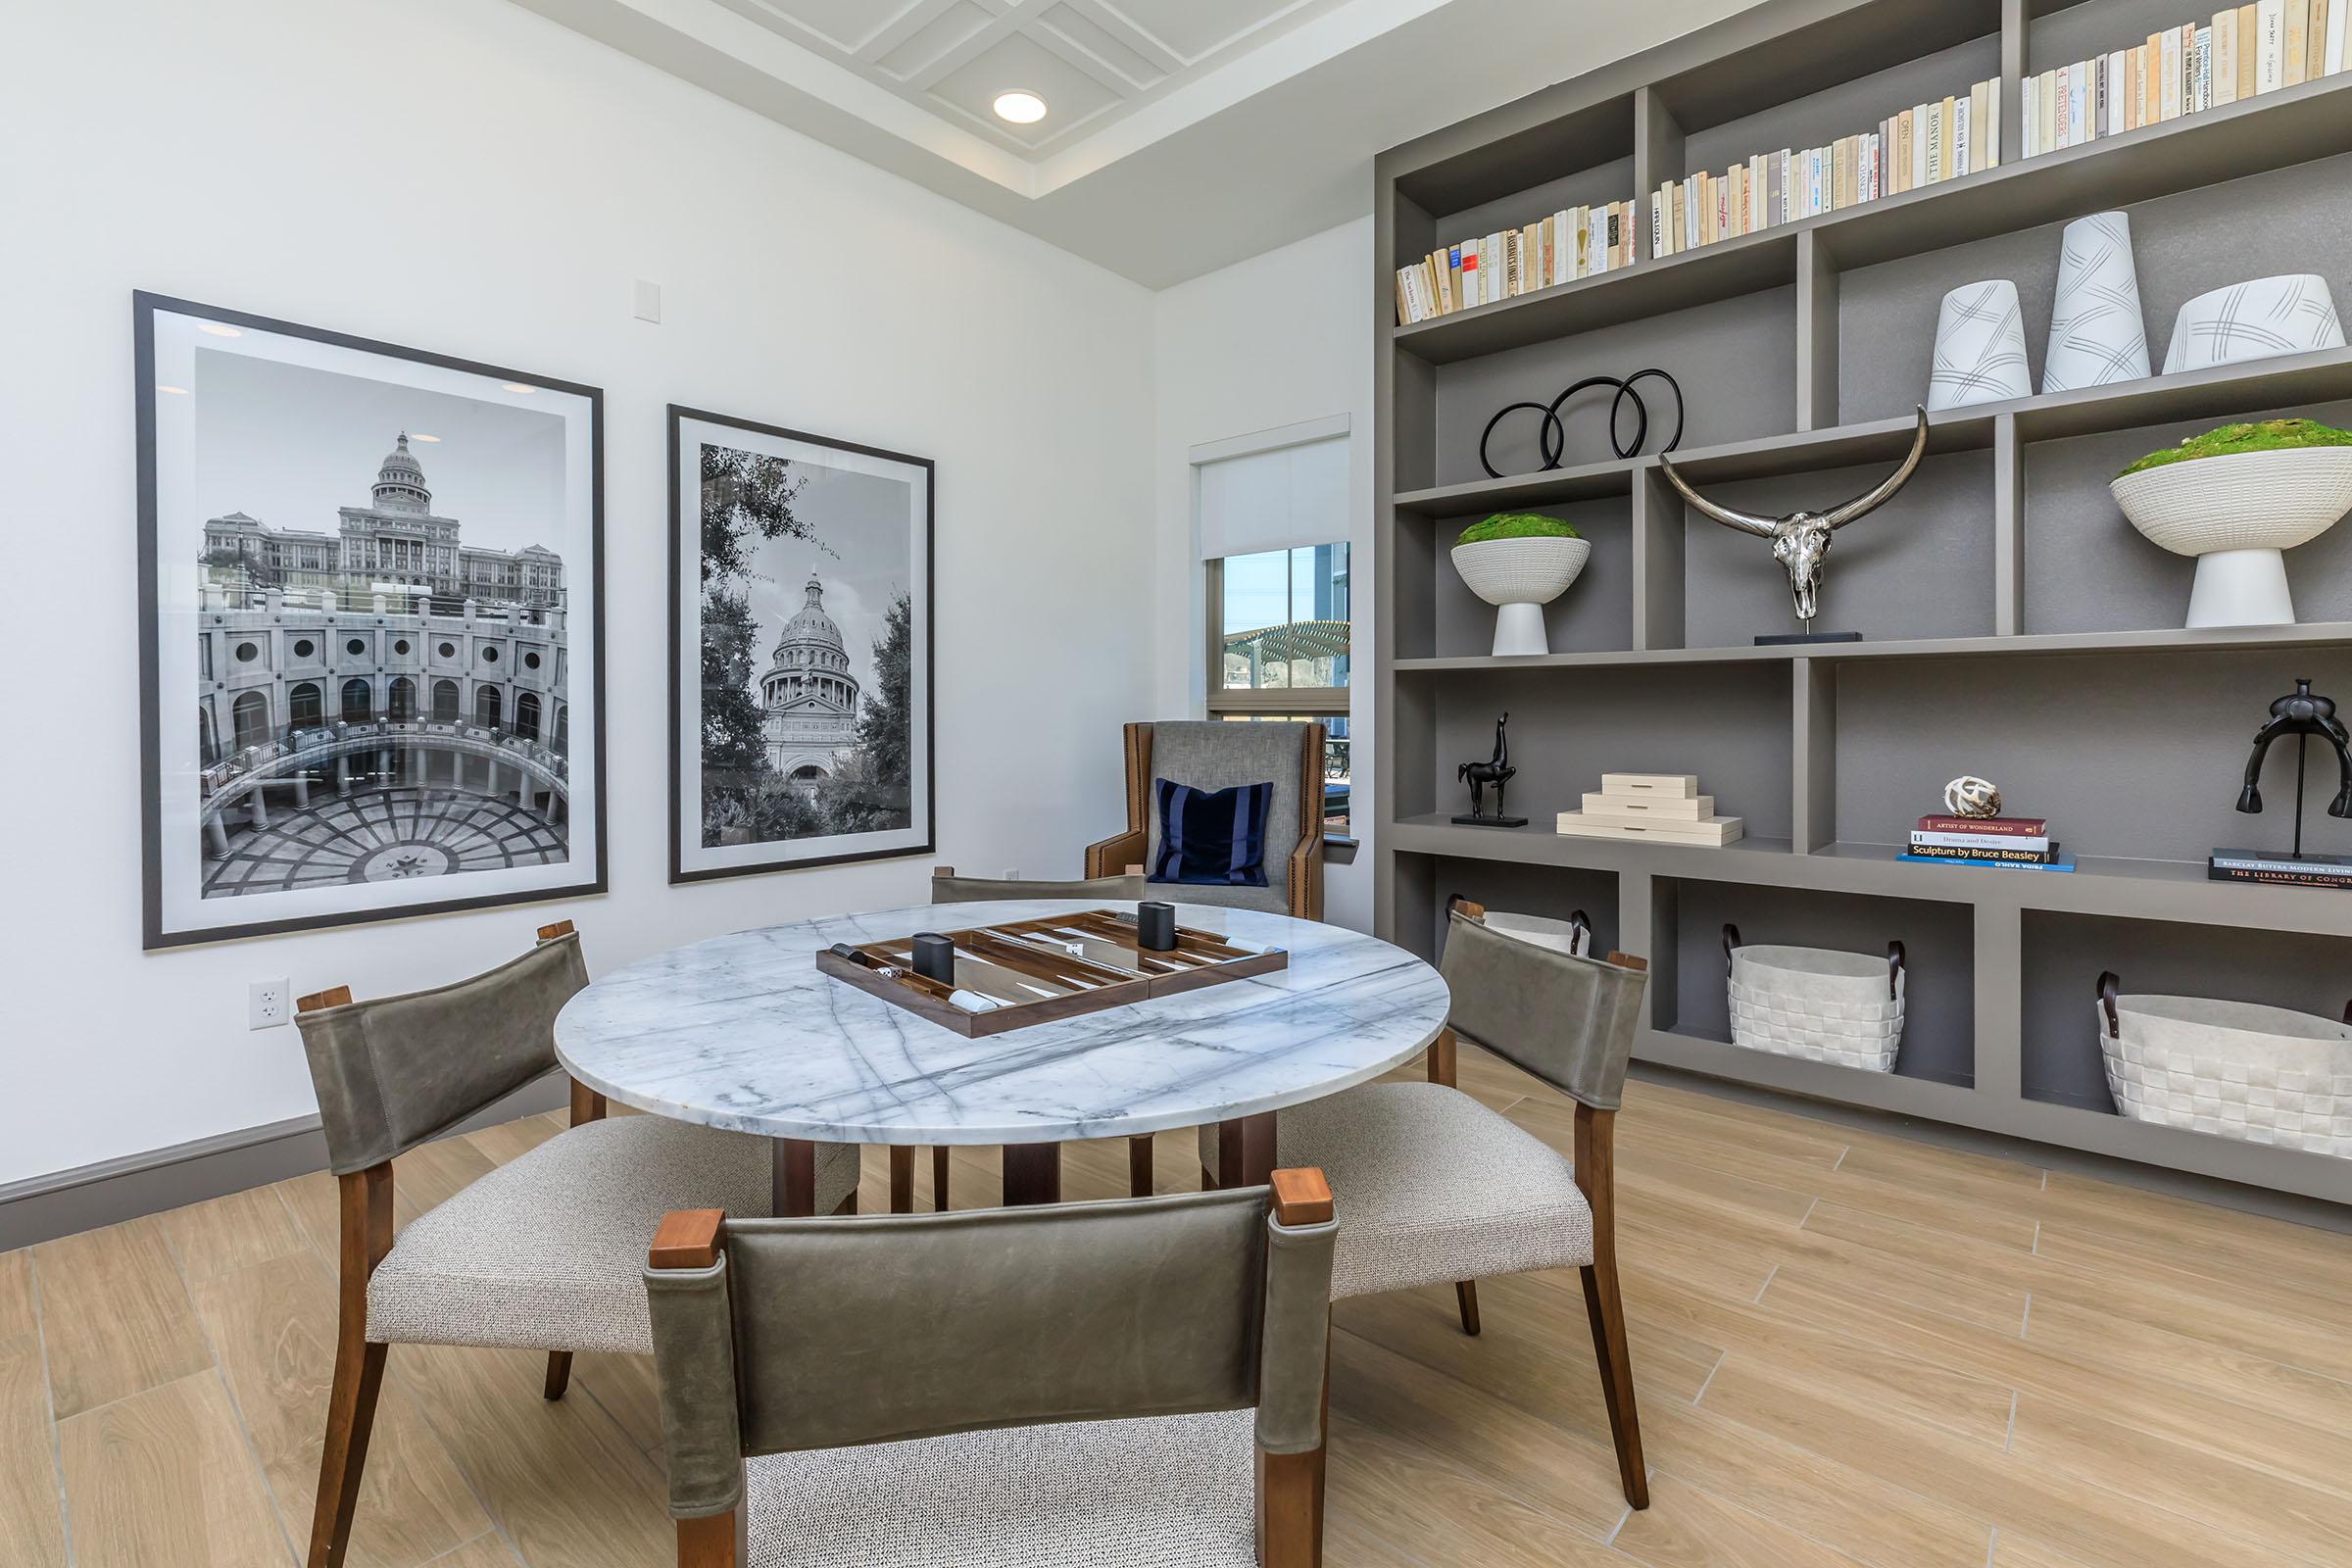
[743, 1032]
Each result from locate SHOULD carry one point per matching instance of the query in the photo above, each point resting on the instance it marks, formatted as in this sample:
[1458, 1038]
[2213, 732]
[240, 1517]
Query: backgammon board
[1037, 971]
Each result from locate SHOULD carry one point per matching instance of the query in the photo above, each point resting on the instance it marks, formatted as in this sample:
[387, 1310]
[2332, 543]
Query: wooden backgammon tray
[1039, 972]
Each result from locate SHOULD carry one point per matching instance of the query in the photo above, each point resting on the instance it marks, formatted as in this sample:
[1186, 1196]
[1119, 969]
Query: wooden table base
[1032, 1175]
[1246, 1150]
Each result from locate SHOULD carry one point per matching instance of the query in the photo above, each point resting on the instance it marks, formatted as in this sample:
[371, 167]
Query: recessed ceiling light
[517, 386]
[176, 391]
[217, 330]
[1021, 107]
[419, 435]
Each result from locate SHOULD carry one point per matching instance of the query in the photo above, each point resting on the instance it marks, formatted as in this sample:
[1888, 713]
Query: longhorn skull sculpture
[1800, 540]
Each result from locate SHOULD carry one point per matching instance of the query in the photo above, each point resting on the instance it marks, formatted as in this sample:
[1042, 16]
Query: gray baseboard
[107, 1192]
[2294, 1208]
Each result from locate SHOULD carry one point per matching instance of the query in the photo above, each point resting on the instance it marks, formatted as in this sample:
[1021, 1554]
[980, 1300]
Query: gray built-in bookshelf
[2014, 625]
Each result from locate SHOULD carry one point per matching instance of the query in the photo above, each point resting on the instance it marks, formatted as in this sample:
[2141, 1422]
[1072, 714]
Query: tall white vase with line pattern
[1980, 348]
[2096, 332]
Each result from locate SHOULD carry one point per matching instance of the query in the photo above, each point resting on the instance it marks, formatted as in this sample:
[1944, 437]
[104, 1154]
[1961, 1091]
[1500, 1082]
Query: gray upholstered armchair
[1433, 1186]
[542, 1253]
[1081, 1384]
[1216, 755]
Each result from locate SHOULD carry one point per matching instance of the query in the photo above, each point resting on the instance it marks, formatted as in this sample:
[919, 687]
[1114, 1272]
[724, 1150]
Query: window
[1273, 522]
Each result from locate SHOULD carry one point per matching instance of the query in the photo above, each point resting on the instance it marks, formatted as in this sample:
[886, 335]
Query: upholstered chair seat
[547, 1251]
[1158, 1492]
[1439, 1188]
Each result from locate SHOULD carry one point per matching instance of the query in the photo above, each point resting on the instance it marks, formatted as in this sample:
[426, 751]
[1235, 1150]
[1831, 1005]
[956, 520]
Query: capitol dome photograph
[808, 736]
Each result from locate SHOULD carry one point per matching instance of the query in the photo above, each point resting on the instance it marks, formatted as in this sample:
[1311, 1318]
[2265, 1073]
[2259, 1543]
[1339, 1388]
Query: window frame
[1319, 702]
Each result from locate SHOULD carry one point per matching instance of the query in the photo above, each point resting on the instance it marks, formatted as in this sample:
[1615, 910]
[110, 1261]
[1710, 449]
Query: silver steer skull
[1800, 540]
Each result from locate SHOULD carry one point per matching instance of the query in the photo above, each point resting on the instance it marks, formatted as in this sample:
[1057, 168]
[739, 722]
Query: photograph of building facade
[385, 701]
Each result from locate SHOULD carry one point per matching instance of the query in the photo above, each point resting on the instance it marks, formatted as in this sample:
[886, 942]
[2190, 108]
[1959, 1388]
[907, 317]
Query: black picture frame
[682, 668]
[156, 933]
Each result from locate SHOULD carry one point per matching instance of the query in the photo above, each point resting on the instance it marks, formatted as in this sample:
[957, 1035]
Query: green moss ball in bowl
[2235, 498]
[1519, 561]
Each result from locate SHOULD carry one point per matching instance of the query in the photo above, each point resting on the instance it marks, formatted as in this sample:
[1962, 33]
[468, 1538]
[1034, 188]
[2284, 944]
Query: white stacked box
[1666, 806]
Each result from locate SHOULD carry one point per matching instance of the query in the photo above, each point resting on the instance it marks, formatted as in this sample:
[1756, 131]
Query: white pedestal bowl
[1519, 577]
[2235, 514]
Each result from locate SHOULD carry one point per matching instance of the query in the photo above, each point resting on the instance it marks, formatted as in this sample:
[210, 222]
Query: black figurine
[1496, 770]
[2302, 716]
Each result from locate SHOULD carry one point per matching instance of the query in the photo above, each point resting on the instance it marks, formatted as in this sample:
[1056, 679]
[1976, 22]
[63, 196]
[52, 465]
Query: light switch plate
[649, 301]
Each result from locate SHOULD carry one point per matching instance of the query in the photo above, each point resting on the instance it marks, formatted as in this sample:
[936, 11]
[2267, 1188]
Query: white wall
[465, 176]
[1279, 339]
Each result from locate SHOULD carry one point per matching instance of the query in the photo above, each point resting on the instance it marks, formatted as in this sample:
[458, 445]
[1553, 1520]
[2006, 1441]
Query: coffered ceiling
[1179, 135]
[1092, 61]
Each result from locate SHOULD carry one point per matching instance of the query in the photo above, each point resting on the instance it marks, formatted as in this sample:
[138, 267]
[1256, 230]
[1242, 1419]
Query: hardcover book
[2033, 845]
[2030, 827]
[1941, 852]
[2063, 863]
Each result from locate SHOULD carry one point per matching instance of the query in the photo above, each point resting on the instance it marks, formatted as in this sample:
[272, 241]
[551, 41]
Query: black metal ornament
[1552, 442]
[2302, 713]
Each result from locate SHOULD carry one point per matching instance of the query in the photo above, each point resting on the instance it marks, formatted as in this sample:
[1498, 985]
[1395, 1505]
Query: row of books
[2013, 842]
[1572, 243]
[2242, 52]
[1921, 146]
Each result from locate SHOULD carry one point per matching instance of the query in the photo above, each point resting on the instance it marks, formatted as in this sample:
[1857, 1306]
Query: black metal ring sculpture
[1552, 442]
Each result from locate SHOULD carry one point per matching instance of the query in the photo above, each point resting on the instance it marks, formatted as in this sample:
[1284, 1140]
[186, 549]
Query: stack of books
[1923, 145]
[2016, 843]
[2242, 52]
[1666, 806]
[2283, 869]
[1572, 243]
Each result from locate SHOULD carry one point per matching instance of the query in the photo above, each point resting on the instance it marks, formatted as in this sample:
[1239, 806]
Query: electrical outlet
[266, 1005]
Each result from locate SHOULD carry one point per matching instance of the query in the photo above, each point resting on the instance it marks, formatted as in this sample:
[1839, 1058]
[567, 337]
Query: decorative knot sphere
[1971, 796]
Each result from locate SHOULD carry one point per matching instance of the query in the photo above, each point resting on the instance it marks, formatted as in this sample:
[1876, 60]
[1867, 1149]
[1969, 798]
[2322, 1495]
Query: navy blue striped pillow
[1214, 836]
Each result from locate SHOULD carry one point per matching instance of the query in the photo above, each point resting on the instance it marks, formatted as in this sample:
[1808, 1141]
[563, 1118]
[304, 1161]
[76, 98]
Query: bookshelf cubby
[2014, 625]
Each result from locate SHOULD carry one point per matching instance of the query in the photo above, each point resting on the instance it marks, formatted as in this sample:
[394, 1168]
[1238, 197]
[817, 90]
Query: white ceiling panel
[842, 24]
[1072, 96]
[1105, 47]
[1198, 28]
[931, 42]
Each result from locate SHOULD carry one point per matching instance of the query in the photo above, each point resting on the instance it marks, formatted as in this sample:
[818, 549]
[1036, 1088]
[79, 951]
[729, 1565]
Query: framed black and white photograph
[372, 628]
[801, 650]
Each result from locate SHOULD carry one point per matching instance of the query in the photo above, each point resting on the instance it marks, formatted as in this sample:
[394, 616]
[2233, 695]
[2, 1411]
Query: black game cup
[935, 958]
[1155, 926]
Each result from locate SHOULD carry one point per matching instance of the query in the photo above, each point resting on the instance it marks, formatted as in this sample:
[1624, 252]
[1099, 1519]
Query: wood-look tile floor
[1849, 1349]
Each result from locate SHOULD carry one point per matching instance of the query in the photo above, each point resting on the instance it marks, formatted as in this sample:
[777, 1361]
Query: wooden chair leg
[350, 1420]
[939, 1178]
[1139, 1167]
[902, 1179]
[715, 1541]
[1595, 1174]
[1465, 1295]
[559, 1374]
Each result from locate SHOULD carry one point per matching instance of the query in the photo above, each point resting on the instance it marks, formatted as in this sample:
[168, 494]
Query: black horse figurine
[2302, 716]
[1496, 770]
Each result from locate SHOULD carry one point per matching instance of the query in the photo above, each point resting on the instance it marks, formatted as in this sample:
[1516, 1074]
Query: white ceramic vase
[1519, 577]
[2292, 314]
[1980, 348]
[2235, 514]
[2096, 334]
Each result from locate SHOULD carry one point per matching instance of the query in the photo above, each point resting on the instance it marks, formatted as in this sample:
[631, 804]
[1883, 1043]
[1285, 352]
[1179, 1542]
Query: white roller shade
[1279, 500]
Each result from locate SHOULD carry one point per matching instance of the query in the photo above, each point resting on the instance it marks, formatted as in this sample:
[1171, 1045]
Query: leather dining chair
[1436, 1187]
[542, 1252]
[948, 888]
[1124, 1383]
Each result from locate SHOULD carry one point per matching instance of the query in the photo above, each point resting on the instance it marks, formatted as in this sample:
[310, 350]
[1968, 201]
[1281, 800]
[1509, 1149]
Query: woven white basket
[2236, 1069]
[1571, 936]
[1818, 1003]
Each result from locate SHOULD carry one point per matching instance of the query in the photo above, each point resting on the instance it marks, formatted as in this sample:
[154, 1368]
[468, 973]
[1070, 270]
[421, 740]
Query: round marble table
[743, 1032]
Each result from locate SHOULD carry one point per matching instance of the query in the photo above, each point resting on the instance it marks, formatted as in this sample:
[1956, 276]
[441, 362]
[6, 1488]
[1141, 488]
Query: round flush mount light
[1021, 107]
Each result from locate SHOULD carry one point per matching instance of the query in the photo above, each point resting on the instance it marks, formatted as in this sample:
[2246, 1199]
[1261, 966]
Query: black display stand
[1779, 639]
[1467, 821]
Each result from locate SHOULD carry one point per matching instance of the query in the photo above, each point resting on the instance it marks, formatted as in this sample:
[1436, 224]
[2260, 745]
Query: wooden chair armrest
[1301, 1196]
[686, 1237]
[1114, 856]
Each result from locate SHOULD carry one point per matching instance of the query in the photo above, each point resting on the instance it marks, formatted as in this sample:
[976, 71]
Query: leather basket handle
[1731, 940]
[1580, 924]
[2108, 983]
[1894, 969]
